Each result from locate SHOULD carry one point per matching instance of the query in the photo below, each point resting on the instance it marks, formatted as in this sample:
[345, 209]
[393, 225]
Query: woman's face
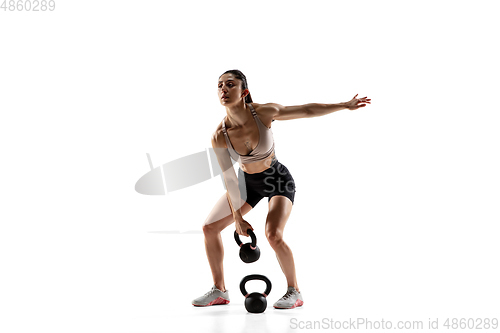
[229, 89]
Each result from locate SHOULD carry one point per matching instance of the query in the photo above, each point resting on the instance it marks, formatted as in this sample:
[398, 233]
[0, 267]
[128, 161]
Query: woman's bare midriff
[256, 167]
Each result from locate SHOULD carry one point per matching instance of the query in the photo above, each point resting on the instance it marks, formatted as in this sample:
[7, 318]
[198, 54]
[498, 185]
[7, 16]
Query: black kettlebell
[249, 252]
[255, 302]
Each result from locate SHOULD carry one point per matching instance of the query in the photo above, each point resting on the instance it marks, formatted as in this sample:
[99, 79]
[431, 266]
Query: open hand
[353, 104]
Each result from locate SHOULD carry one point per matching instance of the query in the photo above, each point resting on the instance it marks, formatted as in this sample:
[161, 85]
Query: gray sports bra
[264, 149]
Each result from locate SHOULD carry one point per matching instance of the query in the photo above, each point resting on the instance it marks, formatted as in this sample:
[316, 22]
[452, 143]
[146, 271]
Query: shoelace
[288, 294]
[210, 292]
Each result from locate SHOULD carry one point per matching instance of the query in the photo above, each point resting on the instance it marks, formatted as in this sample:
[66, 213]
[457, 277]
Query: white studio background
[396, 211]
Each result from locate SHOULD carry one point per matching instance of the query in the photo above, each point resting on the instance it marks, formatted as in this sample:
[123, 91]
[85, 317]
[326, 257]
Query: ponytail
[248, 98]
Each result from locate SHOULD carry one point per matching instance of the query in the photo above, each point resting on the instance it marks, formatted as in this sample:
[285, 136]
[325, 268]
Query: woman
[245, 135]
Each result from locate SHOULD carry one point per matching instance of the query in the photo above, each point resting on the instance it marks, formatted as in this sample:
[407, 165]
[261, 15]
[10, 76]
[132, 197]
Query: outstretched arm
[322, 109]
[311, 110]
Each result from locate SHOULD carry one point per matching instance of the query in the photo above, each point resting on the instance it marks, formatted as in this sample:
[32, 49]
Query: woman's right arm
[230, 178]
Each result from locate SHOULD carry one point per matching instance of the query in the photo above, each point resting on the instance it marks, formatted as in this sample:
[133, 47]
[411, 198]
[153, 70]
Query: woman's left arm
[280, 112]
[316, 110]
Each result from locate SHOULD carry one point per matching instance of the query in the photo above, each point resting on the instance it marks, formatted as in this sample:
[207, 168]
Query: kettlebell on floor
[255, 302]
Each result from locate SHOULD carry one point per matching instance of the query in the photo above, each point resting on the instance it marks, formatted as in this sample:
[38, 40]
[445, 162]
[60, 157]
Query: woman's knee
[210, 229]
[274, 236]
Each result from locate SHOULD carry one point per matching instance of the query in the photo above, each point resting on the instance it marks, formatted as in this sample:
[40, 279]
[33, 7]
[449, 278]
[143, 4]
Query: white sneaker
[290, 300]
[213, 297]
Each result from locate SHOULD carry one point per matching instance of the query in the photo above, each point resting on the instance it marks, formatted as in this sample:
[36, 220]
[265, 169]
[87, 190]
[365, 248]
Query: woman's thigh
[221, 215]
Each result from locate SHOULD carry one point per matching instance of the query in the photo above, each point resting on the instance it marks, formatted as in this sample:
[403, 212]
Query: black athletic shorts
[276, 180]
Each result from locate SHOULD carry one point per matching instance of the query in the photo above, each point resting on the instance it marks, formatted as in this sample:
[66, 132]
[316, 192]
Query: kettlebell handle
[252, 235]
[255, 277]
